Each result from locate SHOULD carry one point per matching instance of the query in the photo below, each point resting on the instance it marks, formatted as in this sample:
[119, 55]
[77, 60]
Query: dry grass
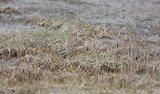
[8, 10]
[73, 57]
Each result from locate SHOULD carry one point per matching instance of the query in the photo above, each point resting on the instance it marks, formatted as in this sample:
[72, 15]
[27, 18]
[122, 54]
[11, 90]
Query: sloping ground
[72, 57]
[141, 15]
[78, 59]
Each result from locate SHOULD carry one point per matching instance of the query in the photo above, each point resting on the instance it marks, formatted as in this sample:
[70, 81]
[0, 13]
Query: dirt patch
[140, 15]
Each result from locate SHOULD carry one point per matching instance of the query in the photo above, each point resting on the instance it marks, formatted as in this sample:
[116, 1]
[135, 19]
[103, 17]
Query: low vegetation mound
[74, 57]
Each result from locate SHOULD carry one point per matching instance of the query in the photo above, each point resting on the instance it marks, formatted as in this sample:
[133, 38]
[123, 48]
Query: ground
[79, 46]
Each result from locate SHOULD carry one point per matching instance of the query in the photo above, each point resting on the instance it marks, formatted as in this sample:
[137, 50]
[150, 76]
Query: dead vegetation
[8, 10]
[86, 58]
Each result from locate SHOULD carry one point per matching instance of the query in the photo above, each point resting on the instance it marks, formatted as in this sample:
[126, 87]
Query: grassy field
[77, 58]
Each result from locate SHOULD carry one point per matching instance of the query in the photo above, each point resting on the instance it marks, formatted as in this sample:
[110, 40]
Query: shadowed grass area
[71, 57]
